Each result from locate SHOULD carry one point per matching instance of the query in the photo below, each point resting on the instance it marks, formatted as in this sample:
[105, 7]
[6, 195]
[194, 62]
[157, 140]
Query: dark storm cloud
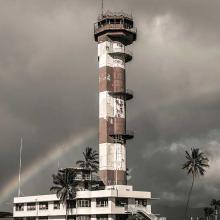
[49, 85]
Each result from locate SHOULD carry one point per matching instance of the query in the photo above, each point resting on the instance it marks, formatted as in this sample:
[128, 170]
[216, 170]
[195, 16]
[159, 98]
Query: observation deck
[117, 26]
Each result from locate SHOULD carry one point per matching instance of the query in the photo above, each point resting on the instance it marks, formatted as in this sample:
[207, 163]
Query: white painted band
[112, 156]
[111, 106]
[105, 59]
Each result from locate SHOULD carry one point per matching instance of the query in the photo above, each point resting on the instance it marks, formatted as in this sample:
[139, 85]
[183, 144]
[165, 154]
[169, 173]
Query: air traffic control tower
[113, 32]
[115, 200]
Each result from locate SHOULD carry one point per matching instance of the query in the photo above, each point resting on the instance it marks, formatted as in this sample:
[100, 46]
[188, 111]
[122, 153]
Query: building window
[141, 202]
[102, 217]
[72, 204]
[83, 217]
[56, 205]
[31, 206]
[121, 202]
[43, 205]
[19, 207]
[84, 203]
[101, 202]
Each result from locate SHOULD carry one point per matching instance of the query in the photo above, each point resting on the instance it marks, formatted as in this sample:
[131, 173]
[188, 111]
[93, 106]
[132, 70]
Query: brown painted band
[112, 177]
[110, 126]
[112, 79]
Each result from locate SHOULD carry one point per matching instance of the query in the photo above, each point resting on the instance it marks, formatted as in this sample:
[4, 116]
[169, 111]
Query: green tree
[208, 211]
[91, 160]
[195, 165]
[215, 203]
[65, 186]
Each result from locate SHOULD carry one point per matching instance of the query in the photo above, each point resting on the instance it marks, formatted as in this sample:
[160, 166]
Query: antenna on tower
[19, 175]
[102, 7]
[58, 165]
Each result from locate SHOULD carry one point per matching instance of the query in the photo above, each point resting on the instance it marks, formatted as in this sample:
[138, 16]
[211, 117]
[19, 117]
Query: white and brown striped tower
[113, 32]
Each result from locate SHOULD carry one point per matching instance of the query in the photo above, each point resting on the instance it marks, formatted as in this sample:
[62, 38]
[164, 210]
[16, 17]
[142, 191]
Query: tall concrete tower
[113, 32]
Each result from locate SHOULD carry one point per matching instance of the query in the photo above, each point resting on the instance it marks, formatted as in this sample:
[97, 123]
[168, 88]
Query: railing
[99, 28]
[139, 209]
[116, 50]
[108, 14]
[128, 94]
[129, 91]
[124, 136]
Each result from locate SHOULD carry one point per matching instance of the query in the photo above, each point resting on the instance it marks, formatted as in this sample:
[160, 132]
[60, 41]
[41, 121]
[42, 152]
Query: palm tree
[90, 161]
[65, 186]
[208, 211]
[215, 203]
[195, 165]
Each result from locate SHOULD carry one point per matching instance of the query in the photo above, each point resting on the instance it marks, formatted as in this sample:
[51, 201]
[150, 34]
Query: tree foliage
[195, 165]
[64, 184]
[90, 160]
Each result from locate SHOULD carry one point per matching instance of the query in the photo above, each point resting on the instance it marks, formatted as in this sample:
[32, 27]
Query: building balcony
[122, 137]
[128, 94]
[122, 52]
[100, 29]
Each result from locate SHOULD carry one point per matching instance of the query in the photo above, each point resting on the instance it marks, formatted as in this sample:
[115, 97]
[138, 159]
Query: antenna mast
[102, 7]
[19, 176]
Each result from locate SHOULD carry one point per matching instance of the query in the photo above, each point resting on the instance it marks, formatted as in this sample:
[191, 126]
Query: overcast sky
[49, 92]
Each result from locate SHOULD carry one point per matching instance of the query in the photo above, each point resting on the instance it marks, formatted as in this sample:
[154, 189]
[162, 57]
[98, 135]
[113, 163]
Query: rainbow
[46, 159]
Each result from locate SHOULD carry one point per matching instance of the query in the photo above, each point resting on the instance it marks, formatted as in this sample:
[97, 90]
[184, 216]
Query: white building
[113, 203]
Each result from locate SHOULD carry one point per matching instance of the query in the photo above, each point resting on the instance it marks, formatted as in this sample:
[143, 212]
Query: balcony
[122, 137]
[121, 51]
[128, 95]
[100, 28]
[109, 14]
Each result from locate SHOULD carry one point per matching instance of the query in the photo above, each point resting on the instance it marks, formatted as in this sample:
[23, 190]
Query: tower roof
[109, 14]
